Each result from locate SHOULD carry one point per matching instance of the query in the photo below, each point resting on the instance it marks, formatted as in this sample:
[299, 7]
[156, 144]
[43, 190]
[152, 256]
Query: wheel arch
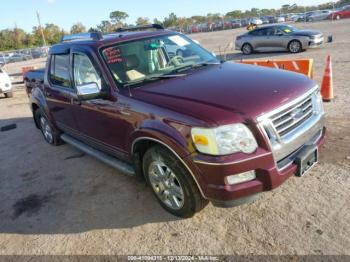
[300, 40]
[142, 143]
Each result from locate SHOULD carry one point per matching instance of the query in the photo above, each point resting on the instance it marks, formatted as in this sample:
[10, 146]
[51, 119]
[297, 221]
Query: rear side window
[258, 32]
[59, 70]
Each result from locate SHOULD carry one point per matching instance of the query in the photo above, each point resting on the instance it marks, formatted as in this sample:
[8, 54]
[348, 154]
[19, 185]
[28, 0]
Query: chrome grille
[292, 117]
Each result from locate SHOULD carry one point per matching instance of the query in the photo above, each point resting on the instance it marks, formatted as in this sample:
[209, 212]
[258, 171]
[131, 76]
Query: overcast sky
[66, 12]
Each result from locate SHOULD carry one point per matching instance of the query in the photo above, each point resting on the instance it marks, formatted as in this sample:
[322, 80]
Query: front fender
[174, 140]
[175, 135]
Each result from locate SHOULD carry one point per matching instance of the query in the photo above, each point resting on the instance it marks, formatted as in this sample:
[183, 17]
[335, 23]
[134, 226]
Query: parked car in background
[244, 22]
[236, 23]
[344, 12]
[197, 129]
[280, 19]
[319, 15]
[255, 21]
[265, 19]
[278, 38]
[5, 84]
[4, 59]
[18, 57]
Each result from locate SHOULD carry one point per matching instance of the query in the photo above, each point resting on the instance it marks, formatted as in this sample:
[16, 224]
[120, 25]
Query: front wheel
[171, 183]
[294, 46]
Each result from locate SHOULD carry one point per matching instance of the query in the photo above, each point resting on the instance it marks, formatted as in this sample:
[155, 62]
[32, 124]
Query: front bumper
[268, 175]
[314, 43]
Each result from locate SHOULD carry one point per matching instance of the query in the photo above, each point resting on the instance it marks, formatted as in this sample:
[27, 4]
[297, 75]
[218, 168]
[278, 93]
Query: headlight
[224, 140]
[318, 103]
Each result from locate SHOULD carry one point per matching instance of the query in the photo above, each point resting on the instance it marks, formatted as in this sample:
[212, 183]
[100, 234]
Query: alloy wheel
[166, 185]
[294, 47]
[46, 129]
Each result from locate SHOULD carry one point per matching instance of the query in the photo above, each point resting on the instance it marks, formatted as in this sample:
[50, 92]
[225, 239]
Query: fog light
[240, 178]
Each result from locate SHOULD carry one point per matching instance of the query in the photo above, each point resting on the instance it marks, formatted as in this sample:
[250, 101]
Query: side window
[258, 32]
[59, 70]
[271, 31]
[84, 71]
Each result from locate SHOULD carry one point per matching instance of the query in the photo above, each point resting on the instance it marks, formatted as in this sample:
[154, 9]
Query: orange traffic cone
[327, 82]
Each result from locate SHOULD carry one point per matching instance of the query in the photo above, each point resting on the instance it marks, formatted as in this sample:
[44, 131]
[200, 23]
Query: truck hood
[205, 93]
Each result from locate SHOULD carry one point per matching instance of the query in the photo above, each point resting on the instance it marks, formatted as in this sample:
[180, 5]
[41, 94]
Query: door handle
[75, 101]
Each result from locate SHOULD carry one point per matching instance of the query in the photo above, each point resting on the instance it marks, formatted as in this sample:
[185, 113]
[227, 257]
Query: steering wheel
[176, 60]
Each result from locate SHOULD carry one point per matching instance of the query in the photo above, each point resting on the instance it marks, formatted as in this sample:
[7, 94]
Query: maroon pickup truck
[154, 104]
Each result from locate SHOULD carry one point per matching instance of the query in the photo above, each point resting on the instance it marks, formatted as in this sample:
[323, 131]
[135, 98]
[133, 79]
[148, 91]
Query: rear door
[59, 92]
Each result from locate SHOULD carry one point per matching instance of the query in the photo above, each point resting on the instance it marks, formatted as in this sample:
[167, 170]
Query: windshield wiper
[196, 65]
[152, 78]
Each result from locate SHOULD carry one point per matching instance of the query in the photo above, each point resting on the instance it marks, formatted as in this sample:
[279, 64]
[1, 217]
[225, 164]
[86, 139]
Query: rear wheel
[51, 135]
[294, 46]
[9, 94]
[171, 183]
[247, 49]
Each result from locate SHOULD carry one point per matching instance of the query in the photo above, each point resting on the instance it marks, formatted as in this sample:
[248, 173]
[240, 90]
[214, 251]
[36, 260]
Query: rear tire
[294, 46]
[171, 183]
[9, 94]
[247, 49]
[51, 135]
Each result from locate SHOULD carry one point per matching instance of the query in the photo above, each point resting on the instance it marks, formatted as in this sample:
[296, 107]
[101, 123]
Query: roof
[105, 40]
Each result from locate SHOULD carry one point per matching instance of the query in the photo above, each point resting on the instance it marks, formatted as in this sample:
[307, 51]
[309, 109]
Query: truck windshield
[155, 58]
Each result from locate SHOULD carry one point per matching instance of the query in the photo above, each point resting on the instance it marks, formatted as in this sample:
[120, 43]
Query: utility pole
[40, 28]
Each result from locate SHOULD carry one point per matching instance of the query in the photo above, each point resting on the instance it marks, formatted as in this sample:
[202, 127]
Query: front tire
[247, 49]
[51, 135]
[171, 183]
[294, 46]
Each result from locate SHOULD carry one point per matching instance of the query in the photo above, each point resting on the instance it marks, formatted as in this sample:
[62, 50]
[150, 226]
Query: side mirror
[88, 91]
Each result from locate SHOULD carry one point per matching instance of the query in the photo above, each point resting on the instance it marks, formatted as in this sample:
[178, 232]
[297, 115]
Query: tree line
[17, 38]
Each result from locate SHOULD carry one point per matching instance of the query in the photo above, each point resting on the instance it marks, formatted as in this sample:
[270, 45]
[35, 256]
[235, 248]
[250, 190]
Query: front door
[99, 120]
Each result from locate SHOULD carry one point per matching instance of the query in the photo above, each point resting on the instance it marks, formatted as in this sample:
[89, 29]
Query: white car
[255, 21]
[5, 84]
[281, 19]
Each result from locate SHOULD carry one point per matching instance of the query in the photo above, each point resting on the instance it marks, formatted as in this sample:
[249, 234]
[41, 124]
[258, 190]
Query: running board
[105, 158]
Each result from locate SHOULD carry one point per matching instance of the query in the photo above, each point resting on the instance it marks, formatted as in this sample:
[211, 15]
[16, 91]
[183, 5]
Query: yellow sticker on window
[287, 30]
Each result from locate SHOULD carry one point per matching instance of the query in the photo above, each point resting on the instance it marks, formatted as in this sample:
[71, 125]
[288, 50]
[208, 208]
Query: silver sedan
[278, 38]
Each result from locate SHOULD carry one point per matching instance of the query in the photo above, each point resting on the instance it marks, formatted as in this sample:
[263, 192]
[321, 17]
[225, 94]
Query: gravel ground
[56, 200]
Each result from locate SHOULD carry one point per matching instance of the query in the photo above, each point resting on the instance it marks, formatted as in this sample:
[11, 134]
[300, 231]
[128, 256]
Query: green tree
[118, 17]
[170, 21]
[77, 28]
[234, 14]
[105, 27]
[157, 21]
[142, 21]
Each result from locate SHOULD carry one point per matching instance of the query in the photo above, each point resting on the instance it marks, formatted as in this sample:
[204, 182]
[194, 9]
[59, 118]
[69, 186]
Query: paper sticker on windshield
[287, 30]
[113, 55]
[178, 40]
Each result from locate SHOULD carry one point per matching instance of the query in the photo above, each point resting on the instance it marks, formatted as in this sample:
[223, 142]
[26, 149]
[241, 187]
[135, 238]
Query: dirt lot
[55, 200]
